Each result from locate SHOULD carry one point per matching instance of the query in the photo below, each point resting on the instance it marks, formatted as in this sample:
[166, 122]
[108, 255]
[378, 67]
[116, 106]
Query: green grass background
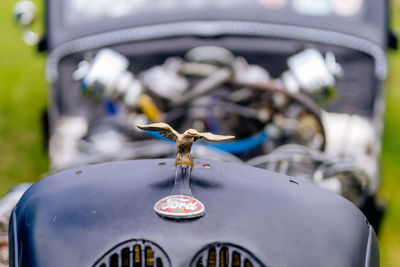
[23, 98]
[389, 238]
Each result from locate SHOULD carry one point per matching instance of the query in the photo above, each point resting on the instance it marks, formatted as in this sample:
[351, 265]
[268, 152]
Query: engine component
[206, 85]
[353, 136]
[250, 74]
[165, 81]
[107, 77]
[210, 54]
[313, 74]
[105, 72]
[63, 147]
[339, 175]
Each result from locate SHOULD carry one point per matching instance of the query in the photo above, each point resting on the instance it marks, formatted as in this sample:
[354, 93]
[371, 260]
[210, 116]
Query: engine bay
[288, 112]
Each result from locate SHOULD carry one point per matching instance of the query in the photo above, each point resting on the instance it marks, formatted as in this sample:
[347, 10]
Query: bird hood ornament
[183, 141]
[181, 204]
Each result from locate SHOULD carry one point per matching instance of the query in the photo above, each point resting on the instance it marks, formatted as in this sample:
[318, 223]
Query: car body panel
[74, 217]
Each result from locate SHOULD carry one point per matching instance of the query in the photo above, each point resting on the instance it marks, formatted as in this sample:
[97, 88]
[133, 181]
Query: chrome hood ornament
[181, 204]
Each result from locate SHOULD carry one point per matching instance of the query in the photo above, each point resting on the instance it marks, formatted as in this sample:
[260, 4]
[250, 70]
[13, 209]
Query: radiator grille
[225, 255]
[134, 253]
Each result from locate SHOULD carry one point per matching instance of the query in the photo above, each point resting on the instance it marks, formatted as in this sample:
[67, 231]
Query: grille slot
[225, 255]
[134, 253]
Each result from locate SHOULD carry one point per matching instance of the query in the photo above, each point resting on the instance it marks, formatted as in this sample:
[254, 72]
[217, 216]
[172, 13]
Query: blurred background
[23, 100]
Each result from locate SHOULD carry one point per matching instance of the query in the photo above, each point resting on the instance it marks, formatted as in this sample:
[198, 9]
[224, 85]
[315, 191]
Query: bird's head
[192, 133]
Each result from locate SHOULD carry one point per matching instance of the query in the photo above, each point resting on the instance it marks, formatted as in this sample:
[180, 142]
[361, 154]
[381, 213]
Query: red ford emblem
[179, 207]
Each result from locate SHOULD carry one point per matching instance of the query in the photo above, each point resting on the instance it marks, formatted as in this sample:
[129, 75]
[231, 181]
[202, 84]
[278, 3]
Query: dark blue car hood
[73, 218]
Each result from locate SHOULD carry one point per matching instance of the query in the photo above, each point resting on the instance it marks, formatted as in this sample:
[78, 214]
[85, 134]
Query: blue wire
[109, 107]
[243, 145]
[234, 147]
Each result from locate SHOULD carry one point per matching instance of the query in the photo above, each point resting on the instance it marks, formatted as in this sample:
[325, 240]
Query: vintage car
[299, 83]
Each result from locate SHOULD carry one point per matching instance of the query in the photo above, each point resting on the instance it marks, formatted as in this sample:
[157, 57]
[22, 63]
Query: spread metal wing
[215, 137]
[163, 128]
